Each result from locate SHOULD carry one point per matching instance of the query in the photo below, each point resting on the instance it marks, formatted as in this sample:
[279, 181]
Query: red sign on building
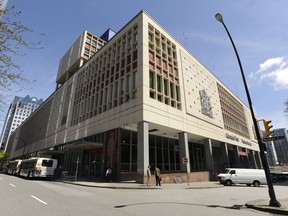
[184, 160]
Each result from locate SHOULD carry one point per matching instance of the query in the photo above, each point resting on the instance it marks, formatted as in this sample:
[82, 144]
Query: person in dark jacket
[157, 176]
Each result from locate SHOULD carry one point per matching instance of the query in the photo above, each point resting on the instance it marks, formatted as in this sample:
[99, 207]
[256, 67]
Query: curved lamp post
[273, 200]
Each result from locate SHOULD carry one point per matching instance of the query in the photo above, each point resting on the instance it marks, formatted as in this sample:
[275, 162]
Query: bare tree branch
[12, 44]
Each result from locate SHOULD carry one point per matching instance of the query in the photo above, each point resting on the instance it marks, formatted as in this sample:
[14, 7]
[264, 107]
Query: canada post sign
[235, 138]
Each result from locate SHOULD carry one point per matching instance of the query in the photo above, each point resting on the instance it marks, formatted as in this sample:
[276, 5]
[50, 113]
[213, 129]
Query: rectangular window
[171, 90]
[165, 82]
[128, 83]
[177, 93]
[159, 84]
[116, 89]
[134, 80]
[151, 79]
[122, 86]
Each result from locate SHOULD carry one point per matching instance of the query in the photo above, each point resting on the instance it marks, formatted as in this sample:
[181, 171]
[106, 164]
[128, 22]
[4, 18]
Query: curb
[263, 205]
[111, 186]
[139, 187]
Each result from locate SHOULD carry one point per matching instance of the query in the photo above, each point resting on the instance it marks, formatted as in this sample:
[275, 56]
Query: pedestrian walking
[157, 176]
[108, 175]
[148, 175]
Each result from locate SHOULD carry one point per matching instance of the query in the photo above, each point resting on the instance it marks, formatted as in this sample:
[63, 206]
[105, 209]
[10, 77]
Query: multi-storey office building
[278, 149]
[3, 4]
[142, 99]
[19, 110]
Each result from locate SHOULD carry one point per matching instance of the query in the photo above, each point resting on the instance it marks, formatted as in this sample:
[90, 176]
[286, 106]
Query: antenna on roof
[185, 39]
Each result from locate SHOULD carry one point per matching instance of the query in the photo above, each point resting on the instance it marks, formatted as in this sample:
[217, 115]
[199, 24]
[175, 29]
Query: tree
[3, 156]
[12, 44]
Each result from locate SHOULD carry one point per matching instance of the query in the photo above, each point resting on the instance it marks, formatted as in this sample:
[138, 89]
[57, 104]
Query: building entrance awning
[85, 145]
[53, 152]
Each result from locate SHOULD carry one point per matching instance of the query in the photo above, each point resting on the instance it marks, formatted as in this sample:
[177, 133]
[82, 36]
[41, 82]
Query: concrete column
[184, 151]
[209, 155]
[260, 160]
[225, 155]
[236, 155]
[142, 147]
[254, 160]
[274, 155]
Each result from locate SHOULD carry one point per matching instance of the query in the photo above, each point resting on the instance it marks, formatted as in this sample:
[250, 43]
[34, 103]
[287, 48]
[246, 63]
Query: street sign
[184, 160]
[273, 138]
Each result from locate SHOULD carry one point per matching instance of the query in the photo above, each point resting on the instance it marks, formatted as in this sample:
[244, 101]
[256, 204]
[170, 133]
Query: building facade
[19, 110]
[277, 150]
[142, 99]
[3, 4]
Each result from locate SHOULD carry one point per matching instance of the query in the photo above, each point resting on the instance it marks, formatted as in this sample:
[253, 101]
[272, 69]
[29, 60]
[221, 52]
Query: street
[50, 198]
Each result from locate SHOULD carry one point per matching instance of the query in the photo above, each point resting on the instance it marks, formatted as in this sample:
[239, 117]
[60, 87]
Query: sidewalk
[134, 185]
[261, 205]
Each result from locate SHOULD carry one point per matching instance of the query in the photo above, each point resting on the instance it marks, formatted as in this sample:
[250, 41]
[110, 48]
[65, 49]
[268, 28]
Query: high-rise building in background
[80, 52]
[278, 149]
[20, 109]
[3, 4]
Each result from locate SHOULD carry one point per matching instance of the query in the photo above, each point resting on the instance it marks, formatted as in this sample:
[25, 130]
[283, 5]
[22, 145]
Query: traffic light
[268, 127]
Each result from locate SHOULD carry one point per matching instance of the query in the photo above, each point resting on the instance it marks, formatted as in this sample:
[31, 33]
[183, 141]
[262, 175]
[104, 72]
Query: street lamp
[24, 145]
[273, 200]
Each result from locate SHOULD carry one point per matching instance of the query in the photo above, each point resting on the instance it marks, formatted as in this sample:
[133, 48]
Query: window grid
[108, 80]
[163, 66]
[233, 113]
[92, 45]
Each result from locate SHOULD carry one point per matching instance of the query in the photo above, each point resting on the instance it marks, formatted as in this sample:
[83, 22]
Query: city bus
[37, 167]
[13, 167]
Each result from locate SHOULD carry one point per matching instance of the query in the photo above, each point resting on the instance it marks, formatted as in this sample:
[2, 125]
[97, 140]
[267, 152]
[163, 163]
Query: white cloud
[273, 71]
[271, 62]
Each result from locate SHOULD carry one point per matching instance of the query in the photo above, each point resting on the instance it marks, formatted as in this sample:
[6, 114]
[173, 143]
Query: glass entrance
[93, 164]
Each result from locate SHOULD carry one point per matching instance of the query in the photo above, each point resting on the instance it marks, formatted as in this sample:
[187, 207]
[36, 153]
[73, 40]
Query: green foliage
[3, 155]
[12, 44]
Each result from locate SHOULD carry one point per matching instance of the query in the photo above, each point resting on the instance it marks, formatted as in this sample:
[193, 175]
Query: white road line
[39, 200]
[1, 179]
[12, 185]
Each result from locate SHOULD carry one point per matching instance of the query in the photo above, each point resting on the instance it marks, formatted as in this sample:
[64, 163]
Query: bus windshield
[47, 163]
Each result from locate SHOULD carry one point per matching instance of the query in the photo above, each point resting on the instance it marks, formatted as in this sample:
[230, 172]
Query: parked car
[255, 177]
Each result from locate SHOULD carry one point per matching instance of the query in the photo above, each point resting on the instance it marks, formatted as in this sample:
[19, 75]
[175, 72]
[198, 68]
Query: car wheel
[256, 183]
[228, 183]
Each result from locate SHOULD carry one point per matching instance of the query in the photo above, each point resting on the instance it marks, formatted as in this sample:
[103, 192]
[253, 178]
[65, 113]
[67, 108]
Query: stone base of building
[168, 178]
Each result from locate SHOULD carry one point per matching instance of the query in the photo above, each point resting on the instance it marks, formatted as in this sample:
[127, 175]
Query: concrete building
[3, 4]
[19, 110]
[141, 100]
[82, 50]
[277, 150]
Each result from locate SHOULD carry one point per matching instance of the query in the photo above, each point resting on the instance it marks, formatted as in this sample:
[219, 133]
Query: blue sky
[258, 27]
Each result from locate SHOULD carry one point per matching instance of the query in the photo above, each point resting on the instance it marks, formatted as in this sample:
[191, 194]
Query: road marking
[39, 200]
[1, 179]
[12, 185]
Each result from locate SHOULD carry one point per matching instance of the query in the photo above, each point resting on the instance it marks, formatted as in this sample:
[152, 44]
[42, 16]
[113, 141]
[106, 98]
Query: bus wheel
[256, 183]
[228, 183]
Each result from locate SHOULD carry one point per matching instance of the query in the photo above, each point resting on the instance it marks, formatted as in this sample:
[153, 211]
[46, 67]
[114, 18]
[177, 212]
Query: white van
[242, 176]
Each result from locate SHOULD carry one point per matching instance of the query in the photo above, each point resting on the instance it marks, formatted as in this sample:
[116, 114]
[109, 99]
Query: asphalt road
[21, 197]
